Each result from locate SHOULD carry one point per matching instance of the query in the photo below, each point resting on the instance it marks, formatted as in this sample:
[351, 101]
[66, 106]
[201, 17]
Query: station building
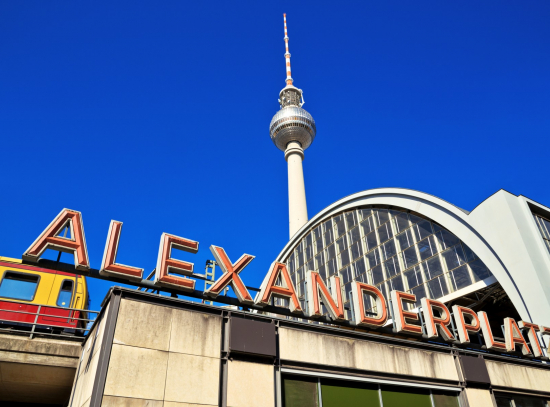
[146, 349]
[492, 263]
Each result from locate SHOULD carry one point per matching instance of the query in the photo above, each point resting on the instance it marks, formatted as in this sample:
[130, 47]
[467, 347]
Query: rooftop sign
[371, 309]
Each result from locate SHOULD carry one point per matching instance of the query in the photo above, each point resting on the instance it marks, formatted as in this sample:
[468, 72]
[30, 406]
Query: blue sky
[156, 114]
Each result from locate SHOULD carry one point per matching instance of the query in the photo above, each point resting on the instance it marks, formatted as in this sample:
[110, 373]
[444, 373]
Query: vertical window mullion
[319, 392]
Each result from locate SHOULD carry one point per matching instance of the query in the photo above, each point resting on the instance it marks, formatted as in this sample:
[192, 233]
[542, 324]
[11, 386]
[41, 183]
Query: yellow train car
[48, 298]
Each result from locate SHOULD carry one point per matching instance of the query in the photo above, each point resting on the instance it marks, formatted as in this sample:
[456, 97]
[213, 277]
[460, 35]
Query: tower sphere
[292, 123]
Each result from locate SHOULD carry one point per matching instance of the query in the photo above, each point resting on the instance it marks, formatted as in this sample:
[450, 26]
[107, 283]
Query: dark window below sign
[252, 337]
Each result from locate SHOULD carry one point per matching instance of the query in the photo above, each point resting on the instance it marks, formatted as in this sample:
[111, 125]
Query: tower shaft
[292, 129]
[297, 207]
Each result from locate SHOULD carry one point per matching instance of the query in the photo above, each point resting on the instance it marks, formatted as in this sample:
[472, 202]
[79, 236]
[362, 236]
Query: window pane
[371, 241]
[384, 232]
[413, 277]
[356, 250]
[19, 286]
[389, 249]
[365, 213]
[448, 239]
[420, 293]
[427, 248]
[526, 401]
[377, 275]
[479, 270]
[433, 268]
[65, 294]
[435, 288]
[503, 402]
[409, 257]
[405, 239]
[405, 397]
[396, 284]
[340, 226]
[424, 229]
[349, 394]
[355, 235]
[462, 277]
[401, 221]
[392, 267]
[367, 226]
[451, 259]
[373, 258]
[445, 399]
[383, 216]
[350, 219]
[359, 267]
[300, 392]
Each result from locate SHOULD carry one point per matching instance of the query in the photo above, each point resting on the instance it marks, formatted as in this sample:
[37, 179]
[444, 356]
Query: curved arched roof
[452, 218]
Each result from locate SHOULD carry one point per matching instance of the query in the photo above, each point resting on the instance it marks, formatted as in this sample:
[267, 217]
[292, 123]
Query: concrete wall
[39, 370]
[163, 355]
[332, 350]
[479, 398]
[87, 367]
[170, 355]
[518, 377]
[250, 384]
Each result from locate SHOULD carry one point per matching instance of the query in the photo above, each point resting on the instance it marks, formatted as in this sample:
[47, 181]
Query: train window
[19, 286]
[65, 294]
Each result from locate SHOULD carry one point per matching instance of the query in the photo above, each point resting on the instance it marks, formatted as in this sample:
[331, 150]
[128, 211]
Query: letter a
[268, 289]
[49, 239]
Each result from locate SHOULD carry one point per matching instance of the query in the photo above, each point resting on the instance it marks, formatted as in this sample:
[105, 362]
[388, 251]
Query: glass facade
[316, 392]
[389, 248]
[544, 228]
[512, 400]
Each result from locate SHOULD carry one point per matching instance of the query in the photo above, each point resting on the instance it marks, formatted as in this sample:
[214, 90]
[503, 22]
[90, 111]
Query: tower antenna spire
[287, 57]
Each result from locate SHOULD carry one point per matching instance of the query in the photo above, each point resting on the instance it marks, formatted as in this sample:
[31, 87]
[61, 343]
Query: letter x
[230, 275]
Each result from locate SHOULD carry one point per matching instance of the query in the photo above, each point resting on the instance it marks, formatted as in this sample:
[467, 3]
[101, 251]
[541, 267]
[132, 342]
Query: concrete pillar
[297, 207]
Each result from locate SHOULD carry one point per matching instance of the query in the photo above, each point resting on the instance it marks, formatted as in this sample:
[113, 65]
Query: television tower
[292, 129]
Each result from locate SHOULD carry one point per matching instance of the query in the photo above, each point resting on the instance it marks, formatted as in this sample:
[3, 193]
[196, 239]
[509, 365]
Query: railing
[30, 321]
